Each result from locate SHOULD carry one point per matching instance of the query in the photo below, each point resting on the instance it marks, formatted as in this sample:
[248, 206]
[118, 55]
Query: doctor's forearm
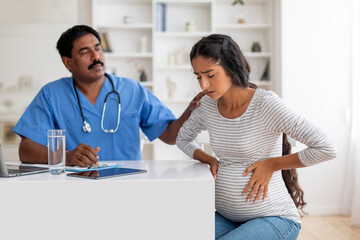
[32, 152]
[171, 132]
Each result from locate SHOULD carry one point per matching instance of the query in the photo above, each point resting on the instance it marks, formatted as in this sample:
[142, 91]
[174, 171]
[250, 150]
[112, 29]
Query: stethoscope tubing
[87, 127]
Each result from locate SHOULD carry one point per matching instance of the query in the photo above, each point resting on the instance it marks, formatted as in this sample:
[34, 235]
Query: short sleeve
[37, 119]
[155, 116]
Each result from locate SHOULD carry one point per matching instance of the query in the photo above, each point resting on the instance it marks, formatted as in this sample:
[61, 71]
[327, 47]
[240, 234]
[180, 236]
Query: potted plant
[240, 15]
[241, 2]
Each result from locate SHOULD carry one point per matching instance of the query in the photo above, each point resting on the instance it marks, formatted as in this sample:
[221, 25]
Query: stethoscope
[87, 127]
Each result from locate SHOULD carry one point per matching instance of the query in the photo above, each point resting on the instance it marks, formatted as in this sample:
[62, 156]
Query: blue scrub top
[56, 107]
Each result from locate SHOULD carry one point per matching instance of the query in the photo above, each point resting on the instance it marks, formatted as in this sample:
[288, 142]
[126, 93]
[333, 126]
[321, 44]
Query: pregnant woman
[257, 195]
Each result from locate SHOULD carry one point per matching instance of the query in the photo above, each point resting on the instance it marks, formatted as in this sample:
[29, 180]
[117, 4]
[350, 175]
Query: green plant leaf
[238, 2]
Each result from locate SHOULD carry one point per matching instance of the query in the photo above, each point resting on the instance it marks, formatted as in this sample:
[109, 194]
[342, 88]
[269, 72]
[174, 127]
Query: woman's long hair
[290, 177]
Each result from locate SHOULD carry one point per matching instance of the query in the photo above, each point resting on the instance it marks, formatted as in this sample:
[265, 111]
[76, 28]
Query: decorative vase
[241, 11]
[256, 47]
[240, 16]
[127, 19]
[191, 26]
[143, 77]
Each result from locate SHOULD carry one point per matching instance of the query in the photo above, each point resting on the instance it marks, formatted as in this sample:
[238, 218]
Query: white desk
[173, 200]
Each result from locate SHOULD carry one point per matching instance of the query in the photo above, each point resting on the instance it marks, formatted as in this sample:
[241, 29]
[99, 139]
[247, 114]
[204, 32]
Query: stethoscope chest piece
[87, 127]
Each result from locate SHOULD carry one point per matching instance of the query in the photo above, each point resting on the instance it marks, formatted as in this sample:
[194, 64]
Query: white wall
[316, 37]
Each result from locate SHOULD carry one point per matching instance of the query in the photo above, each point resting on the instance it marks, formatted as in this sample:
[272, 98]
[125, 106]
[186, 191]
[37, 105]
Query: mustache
[95, 63]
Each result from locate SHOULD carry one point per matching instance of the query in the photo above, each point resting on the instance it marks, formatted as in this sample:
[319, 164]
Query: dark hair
[225, 51]
[290, 176]
[65, 43]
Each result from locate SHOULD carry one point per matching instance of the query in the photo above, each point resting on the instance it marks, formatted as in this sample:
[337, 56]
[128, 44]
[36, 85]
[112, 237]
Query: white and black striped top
[255, 135]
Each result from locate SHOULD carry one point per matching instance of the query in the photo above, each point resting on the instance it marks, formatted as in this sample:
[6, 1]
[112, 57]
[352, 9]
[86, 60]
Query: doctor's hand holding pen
[83, 156]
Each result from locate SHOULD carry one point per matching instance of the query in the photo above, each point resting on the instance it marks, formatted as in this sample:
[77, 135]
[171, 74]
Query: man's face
[87, 61]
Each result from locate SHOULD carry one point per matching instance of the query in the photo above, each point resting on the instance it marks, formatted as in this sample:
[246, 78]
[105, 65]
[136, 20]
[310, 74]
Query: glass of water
[56, 151]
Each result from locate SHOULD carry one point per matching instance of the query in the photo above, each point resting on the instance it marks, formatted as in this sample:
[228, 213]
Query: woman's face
[212, 77]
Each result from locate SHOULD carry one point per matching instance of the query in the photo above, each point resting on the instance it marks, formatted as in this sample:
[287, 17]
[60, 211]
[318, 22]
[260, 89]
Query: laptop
[16, 170]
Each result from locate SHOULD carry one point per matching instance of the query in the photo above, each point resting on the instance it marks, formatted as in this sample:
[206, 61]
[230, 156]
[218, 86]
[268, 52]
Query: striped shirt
[255, 135]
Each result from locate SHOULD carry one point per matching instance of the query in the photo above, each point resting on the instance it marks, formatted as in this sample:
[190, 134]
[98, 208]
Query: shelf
[257, 54]
[174, 67]
[128, 55]
[11, 91]
[147, 84]
[11, 146]
[147, 142]
[244, 26]
[117, 1]
[10, 116]
[182, 34]
[247, 2]
[139, 26]
[184, 1]
[210, 17]
[177, 101]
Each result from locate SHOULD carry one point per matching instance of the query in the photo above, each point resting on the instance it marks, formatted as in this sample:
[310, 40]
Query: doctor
[101, 113]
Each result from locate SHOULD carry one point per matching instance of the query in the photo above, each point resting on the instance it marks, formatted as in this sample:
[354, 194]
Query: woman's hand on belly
[259, 182]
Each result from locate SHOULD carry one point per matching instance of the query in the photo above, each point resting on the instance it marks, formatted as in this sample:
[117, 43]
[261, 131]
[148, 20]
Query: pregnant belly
[229, 200]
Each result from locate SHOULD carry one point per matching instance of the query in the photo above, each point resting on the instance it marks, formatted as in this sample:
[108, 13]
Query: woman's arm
[279, 118]
[206, 158]
[263, 171]
[187, 134]
[189, 131]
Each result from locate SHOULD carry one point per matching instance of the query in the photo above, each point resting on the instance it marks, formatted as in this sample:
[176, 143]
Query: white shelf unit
[10, 141]
[166, 61]
[243, 26]
[124, 36]
[258, 26]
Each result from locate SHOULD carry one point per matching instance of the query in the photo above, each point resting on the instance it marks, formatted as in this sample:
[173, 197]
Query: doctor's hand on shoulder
[195, 102]
[171, 132]
[83, 156]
